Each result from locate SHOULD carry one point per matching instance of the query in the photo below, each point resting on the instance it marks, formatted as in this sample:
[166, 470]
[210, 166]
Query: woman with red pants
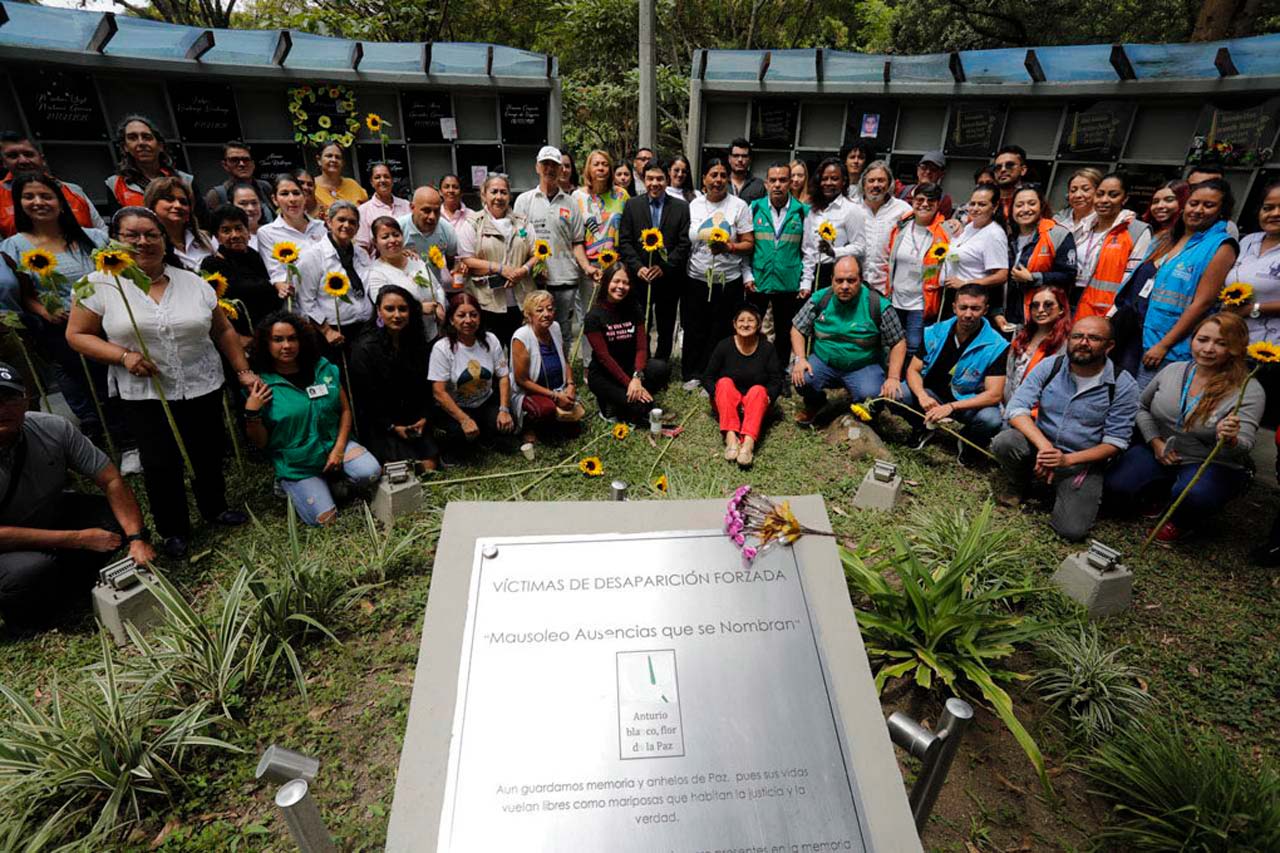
[743, 377]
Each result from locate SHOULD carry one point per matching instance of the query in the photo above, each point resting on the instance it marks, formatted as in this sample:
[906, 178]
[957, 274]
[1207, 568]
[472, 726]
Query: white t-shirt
[850, 222]
[730, 213]
[382, 274]
[978, 251]
[908, 269]
[470, 373]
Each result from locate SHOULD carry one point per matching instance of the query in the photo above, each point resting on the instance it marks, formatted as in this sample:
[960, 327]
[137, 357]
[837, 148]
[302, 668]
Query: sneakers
[130, 462]
[1169, 534]
[606, 418]
[692, 384]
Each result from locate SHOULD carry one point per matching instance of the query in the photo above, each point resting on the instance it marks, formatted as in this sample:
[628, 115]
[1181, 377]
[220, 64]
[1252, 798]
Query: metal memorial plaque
[644, 693]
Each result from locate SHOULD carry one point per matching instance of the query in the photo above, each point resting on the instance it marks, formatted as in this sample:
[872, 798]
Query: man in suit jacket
[665, 274]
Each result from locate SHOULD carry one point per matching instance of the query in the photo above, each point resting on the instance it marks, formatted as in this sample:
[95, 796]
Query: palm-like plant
[939, 624]
[1089, 683]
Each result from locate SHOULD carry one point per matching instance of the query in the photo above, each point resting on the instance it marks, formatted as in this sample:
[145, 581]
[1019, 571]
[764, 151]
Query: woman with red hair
[1043, 335]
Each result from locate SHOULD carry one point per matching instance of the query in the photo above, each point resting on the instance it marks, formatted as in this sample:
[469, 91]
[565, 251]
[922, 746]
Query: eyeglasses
[1006, 165]
[921, 201]
[1077, 337]
[141, 236]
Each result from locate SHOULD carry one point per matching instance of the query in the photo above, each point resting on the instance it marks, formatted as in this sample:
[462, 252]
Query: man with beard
[882, 211]
[961, 373]
[1069, 416]
[1010, 167]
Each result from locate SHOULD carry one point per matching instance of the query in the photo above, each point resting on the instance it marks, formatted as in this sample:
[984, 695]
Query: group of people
[339, 329]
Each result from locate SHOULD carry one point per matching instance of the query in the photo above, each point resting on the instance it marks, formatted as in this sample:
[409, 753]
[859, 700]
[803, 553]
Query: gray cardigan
[1158, 418]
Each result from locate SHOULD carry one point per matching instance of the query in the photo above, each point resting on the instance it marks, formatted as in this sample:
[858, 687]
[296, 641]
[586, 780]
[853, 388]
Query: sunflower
[334, 91]
[1236, 293]
[591, 466]
[373, 121]
[336, 284]
[662, 484]
[229, 309]
[325, 122]
[285, 252]
[113, 261]
[827, 232]
[1264, 352]
[607, 258]
[860, 412]
[39, 261]
[436, 257]
[218, 282]
[541, 249]
[938, 252]
[621, 431]
[718, 235]
[651, 239]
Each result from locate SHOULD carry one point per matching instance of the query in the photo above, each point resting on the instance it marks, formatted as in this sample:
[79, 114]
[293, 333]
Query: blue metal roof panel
[42, 26]
[792, 66]
[1003, 65]
[1077, 63]
[842, 67]
[320, 52]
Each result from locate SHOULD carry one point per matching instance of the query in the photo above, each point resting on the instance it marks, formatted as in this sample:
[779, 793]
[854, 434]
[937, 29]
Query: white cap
[549, 152]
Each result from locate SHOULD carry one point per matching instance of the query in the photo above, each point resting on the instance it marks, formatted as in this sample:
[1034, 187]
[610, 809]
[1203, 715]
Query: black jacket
[675, 236]
[753, 189]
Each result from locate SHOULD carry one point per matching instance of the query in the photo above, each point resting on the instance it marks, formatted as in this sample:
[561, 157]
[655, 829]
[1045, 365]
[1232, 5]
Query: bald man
[423, 227]
[1070, 415]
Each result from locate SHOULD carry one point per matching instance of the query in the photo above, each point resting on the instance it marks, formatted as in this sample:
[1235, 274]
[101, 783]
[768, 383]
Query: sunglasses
[1044, 306]
[1007, 165]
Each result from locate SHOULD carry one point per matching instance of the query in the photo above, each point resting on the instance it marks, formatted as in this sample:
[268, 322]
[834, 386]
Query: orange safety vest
[127, 196]
[1111, 271]
[1041, 260]
[78, 204]
[932, 262]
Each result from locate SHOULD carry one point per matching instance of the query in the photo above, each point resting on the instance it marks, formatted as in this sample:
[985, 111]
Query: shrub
[940, 623]
[1089, 683]
[386, 551]
[1173, 787]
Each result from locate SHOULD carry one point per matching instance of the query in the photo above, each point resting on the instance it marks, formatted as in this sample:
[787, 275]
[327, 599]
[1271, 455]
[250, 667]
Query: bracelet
[125, 355]
[506, 409]
[243, 372]
[252, 414]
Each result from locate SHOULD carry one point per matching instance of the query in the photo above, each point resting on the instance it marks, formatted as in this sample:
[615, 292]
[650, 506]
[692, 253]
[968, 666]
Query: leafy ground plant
[1173, 787]
[1089, 683]
[938, 621]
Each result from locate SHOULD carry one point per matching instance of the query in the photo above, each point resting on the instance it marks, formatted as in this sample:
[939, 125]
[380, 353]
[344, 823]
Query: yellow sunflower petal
[1236, 293]
[39, 261]
[229, 309]
[1264, 352]
[621, 431]
[860, 412]
[285, 252]
[336, 284]
[436, 257]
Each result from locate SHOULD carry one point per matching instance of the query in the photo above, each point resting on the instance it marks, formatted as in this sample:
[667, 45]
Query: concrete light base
[392, 500]
[114, 607]
[1101, 593]
[878, 494]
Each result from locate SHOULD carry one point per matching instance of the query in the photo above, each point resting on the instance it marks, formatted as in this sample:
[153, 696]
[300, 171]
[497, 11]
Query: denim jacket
[1074, 421]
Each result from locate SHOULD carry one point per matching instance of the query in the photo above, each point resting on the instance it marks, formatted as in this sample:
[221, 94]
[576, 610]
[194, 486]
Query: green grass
[1204, 627]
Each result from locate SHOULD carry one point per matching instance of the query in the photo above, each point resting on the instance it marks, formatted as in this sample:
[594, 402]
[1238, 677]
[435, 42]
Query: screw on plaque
[489, 552]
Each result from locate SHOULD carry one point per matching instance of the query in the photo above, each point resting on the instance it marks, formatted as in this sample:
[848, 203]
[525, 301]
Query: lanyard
[1186, 403]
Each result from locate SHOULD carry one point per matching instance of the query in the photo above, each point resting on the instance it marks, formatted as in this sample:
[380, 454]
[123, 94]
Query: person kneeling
[469, 380]
[855, 334]
[543, 391]
[618, 339]
[53, 542]
[961, 376]
[299, 412]
[743, 378]
[389, 369]
[1183, 413]
[1069, 416]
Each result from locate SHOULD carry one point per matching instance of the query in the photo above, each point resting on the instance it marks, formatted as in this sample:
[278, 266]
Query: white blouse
[875, 269]
[279, 231]
[730, 213]
[317, 261]
[977, 252]
[176, 331]
[1262, 273]
[382, 274]
[850, 222]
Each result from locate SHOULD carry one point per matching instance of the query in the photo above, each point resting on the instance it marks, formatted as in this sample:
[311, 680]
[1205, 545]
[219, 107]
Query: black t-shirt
[938, 380]
[248, 282]
[617, 326]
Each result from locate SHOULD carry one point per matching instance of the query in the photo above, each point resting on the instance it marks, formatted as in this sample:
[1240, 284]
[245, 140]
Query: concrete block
[137, 605]
[880, 488]
[1102, 591]
[395, 497]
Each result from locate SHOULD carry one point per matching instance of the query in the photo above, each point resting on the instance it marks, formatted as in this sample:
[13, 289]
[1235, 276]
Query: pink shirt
[371, 210]
[457, 217]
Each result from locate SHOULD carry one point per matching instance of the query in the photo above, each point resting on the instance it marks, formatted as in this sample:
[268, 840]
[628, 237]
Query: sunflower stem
[568, 459]
[498, 476]
[346, 371]
[670, 441]
[954, 433]
[582, 323]
[97, 405]
[155, 379]
[232, 429]
[35, 376]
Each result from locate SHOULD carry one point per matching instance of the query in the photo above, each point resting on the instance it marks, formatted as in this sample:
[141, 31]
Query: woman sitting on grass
[1183, 413]
[300, 414]
[469, 381]
[543, 391]
[743, 378]
[621, 375]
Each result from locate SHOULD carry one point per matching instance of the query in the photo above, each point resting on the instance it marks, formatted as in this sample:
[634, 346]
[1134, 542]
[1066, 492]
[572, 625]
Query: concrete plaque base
[1101, 593]
[114, 607]
[392, 500]
[878, 494]
[611, 677]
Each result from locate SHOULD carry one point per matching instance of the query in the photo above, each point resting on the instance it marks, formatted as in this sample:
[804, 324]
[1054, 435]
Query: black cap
[11, 380]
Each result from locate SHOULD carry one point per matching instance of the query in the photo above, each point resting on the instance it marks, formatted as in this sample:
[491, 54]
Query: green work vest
[776, 261]
[846, 335]
[301, 430]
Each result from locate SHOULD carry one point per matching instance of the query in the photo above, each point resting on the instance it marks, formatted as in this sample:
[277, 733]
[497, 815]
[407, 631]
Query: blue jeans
[1137, 472]
[977, 425]
[861, 383]
[311, 497]
[913, 328]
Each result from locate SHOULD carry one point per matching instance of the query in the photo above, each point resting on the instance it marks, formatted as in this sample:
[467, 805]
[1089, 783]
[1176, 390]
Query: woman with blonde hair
[543, 391]
[1184, 412]
[800, 181]
[172, 200]
[601, 204]
[1082, 186]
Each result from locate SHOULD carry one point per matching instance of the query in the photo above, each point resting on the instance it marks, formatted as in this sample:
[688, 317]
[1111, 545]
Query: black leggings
[612, 397]
[486, 417]
[707, 319]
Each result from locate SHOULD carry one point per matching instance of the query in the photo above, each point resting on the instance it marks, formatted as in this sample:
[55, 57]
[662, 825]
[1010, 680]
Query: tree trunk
[1216, 20]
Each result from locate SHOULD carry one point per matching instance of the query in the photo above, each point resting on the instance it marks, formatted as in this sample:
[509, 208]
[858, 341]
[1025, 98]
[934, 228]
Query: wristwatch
[1256, 311]
[506, 409]
[143, 535]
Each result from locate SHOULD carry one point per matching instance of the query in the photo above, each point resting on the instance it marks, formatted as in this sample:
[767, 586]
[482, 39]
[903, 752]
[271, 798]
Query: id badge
[315, 392]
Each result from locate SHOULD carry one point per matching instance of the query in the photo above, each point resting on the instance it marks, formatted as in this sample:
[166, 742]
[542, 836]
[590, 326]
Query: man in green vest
[773, 280]
[855, 334]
